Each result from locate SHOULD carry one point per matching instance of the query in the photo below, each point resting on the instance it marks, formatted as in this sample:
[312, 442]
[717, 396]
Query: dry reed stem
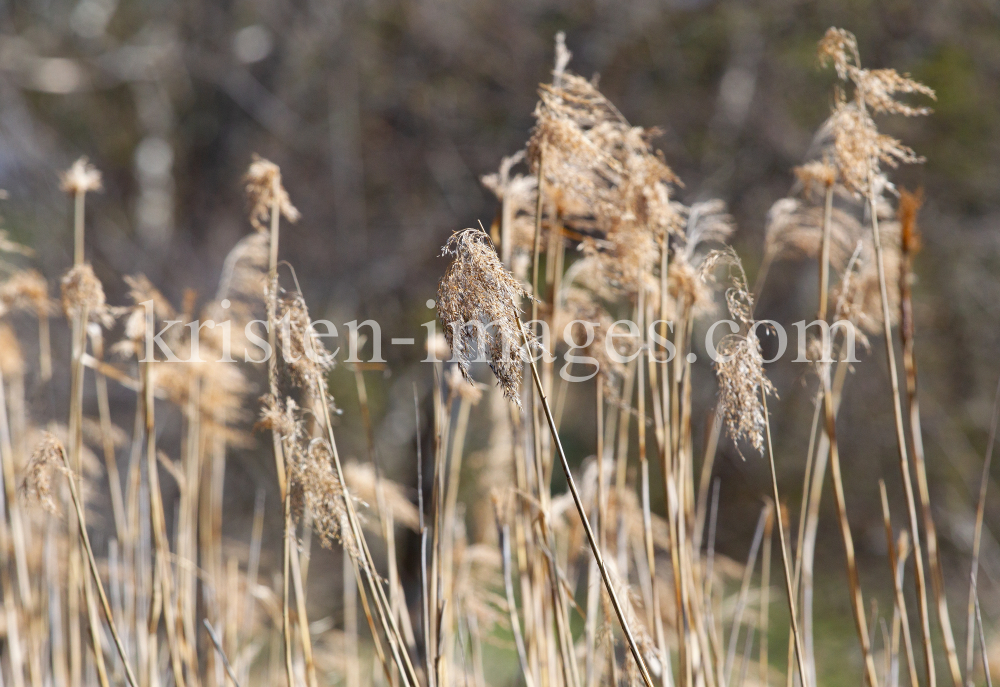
[861, 624]
[765, 596]
[904, 463]
[800, 658]
[85, 538]
[222, 654]
[909, 204]
[983, 654]
[898, 587]
[162, 564]
[977, 538]
[424, 598]
[633, 647]
[741, 600]
[386, 618]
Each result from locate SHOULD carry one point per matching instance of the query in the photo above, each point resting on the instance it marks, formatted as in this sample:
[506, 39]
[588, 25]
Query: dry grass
[658, 605]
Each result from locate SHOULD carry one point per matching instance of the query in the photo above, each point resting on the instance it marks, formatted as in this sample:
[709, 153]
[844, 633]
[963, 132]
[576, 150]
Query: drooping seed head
[479, 303]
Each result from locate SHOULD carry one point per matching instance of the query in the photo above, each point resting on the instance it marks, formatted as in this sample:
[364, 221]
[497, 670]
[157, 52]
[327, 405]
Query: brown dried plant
[36, 485]
[859, 149]
[479, 305]
[82, 292]
[264, 188]
[304, 353]
[740, 367]
[312, 481]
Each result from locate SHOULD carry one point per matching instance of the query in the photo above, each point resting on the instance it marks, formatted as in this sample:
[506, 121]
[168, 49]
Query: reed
[617, 580]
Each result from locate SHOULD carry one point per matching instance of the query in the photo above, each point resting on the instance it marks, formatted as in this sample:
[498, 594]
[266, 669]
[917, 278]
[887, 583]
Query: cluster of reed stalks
[572, 589]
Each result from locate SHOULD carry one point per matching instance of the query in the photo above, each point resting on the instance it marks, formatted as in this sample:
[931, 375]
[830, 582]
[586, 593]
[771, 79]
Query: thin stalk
[536, 248]
[902, 552]
[897, 584]
[741, 600]
[515, 624]
[907, 334]
[78, 208]
[983, 654]
[14, 649]
[784, 550]
[386, 618]
[860, 621]
[95, 632]
[424, 598]
[94, 571]
[633, 646]
[301, 610]
[904, 462]
[162, 546]
[222, 654]
[824, 257]
[110, 461]
[279, 461]
[647, 519]
[977, 538]
[765, 596]
[350, 592]
[10, 496]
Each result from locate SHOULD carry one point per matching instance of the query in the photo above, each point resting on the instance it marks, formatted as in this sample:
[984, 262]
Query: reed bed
[580, 588]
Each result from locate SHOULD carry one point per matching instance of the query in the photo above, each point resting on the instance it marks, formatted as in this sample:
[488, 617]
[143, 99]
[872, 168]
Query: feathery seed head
[82, 292]
[859, 149]
[817, 175]
[264, 190]
[81, 177]
[740, 367]
[37, 483]
[26, 289]
[304, 351]
[478, 304]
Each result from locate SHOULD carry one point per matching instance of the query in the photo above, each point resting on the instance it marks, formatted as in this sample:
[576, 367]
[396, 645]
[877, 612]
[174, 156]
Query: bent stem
[784, 550]
[94, 572]
[616, 604]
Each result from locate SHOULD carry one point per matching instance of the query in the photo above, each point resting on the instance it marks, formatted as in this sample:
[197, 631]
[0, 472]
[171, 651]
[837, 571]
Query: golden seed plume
[859, 149]
[740, 367]
[478, 304]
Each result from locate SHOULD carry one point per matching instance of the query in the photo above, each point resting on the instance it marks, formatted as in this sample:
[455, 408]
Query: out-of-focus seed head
[816, 176]
[264, 190]
[81, 177]
[82, 292]
[26, 290]
[47, 458]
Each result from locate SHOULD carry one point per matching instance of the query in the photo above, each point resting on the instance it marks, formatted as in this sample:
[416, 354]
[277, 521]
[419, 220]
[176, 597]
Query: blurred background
[384, 114]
